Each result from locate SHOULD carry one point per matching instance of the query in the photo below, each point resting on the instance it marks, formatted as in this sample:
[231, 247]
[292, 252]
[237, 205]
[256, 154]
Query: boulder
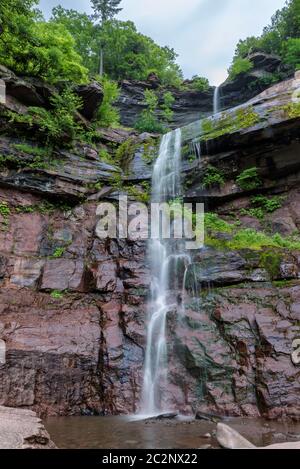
[230, 439]
[21, 429]
[265, 62]
[92, 97]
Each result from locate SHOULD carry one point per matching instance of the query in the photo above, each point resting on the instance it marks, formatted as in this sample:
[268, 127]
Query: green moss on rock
[229, 123]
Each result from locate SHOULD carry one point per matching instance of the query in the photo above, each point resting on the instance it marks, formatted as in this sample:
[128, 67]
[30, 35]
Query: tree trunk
[101, 67]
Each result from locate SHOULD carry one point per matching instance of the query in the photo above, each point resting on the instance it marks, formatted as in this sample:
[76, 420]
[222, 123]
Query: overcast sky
[203, 32]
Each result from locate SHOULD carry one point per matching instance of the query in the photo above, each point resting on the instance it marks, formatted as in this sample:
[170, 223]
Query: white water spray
[166, 185]
[217, 106]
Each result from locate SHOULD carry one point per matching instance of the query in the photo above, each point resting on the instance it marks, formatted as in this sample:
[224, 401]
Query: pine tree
[105, 10]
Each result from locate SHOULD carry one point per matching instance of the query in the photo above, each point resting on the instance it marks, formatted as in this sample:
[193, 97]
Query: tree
[131, 55]
[10, 9]
[105, 10]
[280, 37]
[42, 49]
[84, 33]
[147, 121]
[134, 56]
[199, 83]
[292, 52]
[239, 66]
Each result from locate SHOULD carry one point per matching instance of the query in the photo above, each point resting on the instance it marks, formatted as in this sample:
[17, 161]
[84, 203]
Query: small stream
[125, 433]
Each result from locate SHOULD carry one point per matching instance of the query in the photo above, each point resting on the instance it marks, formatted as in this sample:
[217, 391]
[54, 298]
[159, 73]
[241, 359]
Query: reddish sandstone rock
[63, 274]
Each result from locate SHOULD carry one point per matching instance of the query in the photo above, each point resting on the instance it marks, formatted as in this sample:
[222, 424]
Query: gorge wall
[190, 104]
[73, 307]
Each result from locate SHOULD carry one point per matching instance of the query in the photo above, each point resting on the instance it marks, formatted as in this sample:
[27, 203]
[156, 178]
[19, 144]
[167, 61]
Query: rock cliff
[190, 104]
[73, 307]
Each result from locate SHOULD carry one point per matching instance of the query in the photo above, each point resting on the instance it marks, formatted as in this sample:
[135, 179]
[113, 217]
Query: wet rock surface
[72, 322]
[73, 307]
[191, 105]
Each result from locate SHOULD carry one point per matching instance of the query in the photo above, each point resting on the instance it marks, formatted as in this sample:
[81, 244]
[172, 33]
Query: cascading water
[217, 105]
[166, 185]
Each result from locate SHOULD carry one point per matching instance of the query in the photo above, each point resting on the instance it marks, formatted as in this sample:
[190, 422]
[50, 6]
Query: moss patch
[234, 237]
[228, 123]
[292, 110]
[270, 261]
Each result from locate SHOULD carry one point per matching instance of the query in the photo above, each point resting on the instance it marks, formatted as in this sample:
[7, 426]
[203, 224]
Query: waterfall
[217, 106]
[166, 185]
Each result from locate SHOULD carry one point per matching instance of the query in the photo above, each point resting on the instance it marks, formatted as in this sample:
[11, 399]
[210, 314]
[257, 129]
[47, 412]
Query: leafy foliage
[248, 179]
[108, 115]
[168, 101]
[84, 34]
[31, 46]
[213, 177]
[59, 252]
[128, 53]
[239, 66]
[134, 56]
[291, 52]
[125, 153]
[105, 9]
[267, 204]
[242, 238]
[281, 37]
[148, 122]
[199, 83]
[262, 205]
[57, 294]
[57, 125]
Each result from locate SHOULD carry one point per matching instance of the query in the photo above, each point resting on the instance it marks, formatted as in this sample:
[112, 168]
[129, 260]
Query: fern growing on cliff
[57, 125]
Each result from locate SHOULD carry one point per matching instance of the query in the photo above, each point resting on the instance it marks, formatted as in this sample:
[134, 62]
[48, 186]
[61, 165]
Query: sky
[204, 33]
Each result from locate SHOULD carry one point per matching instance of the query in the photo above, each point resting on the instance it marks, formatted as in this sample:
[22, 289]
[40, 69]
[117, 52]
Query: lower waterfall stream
[164, 257]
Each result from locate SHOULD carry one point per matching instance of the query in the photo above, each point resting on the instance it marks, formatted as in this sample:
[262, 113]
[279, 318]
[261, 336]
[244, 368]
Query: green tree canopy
[128, 53]
[132, 55]
[280, 37]
[31, 46]
[81, 26]
[105, 10]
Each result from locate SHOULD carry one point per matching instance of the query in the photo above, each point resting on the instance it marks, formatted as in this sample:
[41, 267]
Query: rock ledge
[22, 429]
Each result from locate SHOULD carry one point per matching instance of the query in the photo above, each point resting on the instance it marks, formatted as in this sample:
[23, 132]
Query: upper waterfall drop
[166, 185]
[217, 106]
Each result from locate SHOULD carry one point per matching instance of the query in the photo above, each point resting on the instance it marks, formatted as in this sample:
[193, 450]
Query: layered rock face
[73, 306]
[81, 350]
[191, 105]
[242, 311]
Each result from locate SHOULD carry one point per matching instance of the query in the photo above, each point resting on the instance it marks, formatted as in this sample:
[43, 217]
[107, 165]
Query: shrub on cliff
[199, 83]
[58, 125]
[108, 115]
[147, 121]
[239, 66]
[281, 37]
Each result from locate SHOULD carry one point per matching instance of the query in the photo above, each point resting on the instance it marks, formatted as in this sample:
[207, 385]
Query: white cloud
[203, 32]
